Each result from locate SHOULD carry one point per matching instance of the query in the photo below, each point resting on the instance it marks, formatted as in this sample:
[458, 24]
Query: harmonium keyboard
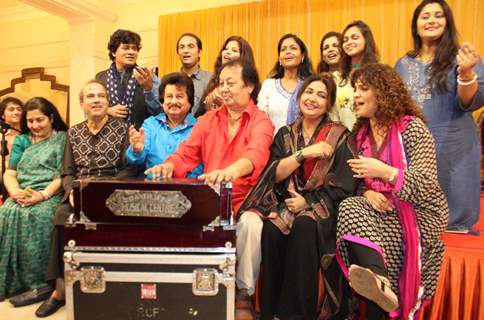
[150, 249]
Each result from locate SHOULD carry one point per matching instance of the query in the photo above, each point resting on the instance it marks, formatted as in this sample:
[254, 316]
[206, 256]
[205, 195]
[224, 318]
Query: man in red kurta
[233, 143]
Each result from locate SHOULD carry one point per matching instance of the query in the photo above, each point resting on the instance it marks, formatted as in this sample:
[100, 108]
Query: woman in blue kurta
[33, 183]
[447, 81]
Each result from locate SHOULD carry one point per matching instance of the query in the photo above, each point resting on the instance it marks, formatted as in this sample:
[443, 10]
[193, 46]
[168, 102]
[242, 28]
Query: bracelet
[45, 194]
[393, 176]
[467, 82]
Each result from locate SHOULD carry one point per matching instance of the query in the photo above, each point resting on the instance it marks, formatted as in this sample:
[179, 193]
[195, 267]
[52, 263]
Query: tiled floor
[8, 312]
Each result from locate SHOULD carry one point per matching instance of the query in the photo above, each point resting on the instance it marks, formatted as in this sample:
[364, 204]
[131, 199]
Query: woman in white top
[284, 80]
[332, 61]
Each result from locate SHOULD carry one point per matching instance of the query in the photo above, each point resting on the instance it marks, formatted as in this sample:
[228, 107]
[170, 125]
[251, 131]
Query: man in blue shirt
[160, 135]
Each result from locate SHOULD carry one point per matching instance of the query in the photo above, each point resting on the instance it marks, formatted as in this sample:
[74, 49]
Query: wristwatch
[299, 156]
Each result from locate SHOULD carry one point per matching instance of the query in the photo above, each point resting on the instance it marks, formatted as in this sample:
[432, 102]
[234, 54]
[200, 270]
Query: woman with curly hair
[389, 236]
[447, 81]
[235, 47]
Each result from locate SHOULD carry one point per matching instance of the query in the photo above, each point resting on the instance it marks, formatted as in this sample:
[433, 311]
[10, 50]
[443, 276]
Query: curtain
[263, 23]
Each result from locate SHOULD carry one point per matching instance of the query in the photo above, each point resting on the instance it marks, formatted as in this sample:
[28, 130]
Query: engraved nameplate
[148, 203]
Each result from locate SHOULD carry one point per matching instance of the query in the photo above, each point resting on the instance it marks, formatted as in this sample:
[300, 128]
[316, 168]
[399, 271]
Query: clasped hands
[27, 197]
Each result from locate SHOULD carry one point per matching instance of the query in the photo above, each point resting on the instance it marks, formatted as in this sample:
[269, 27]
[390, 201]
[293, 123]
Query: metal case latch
[205, 282]
[92, 279]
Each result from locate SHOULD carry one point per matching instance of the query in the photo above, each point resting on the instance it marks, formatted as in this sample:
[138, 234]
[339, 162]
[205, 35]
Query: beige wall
[36, 42]
[43, 41]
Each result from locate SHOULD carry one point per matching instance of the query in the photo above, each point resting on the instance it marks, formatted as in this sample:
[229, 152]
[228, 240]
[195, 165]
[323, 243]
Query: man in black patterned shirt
[94, 148]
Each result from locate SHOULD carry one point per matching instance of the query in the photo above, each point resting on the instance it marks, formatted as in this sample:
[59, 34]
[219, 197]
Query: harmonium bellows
[156, 248]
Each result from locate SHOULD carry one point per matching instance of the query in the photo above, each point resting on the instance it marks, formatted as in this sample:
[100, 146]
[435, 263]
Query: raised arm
[470, 78]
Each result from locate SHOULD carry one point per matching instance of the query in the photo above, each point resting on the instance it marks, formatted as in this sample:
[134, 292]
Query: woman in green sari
[33, 183]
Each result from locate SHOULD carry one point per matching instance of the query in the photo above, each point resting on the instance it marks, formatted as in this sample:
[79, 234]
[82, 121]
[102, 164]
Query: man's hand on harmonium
[161, 171]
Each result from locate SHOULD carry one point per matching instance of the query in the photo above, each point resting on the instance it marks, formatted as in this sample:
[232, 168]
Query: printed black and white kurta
[421, 188]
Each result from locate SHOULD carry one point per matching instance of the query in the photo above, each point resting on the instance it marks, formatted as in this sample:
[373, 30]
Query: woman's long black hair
[48, 109]
[446, 51]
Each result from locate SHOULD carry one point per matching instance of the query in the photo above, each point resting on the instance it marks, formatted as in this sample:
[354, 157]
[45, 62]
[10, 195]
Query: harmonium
[148, 249]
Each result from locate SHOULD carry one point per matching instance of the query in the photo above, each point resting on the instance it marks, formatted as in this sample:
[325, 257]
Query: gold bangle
[45, 194]
[393, 175]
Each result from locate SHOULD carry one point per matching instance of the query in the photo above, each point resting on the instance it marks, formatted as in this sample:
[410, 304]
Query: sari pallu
[25, 231]
[322, 182]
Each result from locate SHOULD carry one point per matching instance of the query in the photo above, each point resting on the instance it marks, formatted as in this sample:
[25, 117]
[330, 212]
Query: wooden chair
[33, 82]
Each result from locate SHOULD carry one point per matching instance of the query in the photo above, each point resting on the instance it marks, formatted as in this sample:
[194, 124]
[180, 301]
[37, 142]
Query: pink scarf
[393, 153]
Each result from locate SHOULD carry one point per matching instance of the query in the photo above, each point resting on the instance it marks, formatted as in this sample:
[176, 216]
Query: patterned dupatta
[392, 152]
[115, 90]
[311, 175]
[267, 198]
[313, 169]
